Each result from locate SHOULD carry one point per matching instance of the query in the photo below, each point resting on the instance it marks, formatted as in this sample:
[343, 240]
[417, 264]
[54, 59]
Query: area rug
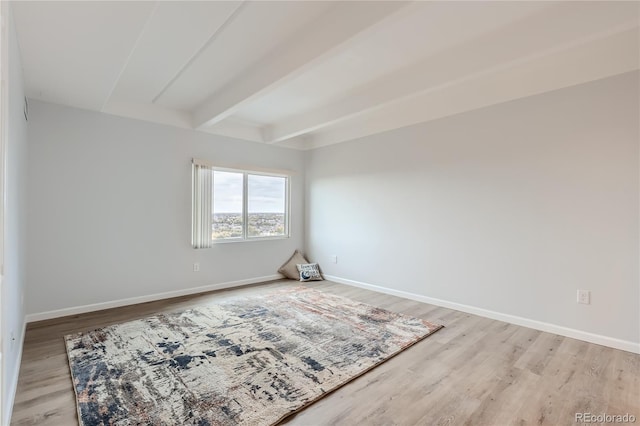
[244, 361]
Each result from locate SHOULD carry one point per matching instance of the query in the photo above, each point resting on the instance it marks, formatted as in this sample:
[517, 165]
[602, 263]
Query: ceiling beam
[591, 61]
[490, 53]
[131, 51]
[343, 22]
[236, 129]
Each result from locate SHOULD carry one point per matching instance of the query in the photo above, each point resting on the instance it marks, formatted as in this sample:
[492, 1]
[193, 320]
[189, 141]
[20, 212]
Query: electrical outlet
[584, 297]
[333, 258]
[196, 267]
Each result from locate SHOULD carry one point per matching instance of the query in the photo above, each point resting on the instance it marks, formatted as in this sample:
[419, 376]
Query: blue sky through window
[266, 193]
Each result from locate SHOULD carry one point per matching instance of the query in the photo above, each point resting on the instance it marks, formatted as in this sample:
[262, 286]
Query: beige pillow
[289, 270]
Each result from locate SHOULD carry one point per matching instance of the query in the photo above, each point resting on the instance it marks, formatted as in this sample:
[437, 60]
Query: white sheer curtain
[201, 205]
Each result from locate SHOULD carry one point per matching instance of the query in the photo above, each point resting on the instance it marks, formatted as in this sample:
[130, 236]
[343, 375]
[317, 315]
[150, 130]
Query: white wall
[15, 226]
[509, 208]
[110, 209]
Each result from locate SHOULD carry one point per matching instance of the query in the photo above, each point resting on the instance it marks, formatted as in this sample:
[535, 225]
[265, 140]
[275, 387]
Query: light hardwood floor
[475, 371]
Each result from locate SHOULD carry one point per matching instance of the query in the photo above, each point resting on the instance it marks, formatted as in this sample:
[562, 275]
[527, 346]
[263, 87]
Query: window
[266, 206]
[238, 205]
[227, 208]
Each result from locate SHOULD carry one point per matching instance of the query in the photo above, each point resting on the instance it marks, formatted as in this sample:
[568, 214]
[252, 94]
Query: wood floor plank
[475, 371]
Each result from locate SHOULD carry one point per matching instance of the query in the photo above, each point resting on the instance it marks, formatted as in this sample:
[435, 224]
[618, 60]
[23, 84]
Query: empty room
[320, 213]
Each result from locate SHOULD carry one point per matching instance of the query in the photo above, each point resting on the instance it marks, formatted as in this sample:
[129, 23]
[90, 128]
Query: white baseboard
[143, 299]
[611, 342]
[13, 384]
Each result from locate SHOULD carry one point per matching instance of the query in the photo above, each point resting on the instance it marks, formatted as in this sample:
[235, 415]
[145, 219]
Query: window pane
[266, 209]
[227, 205]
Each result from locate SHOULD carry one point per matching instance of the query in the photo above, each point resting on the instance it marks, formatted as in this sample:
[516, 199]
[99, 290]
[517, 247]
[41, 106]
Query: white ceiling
[305, 74]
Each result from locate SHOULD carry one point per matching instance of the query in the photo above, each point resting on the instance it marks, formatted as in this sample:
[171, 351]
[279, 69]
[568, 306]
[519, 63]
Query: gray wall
[13, 285]
[509, 208]
[110, 209]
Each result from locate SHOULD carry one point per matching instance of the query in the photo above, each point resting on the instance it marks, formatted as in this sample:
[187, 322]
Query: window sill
[247, 240]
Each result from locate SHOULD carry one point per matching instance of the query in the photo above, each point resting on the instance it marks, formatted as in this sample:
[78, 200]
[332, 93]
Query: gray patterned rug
[248, 360]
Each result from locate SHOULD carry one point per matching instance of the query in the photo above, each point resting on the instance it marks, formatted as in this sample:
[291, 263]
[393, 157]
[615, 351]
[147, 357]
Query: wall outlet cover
[584, 297]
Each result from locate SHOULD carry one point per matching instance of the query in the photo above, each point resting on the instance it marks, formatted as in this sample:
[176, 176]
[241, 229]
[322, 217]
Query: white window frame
[245, 205]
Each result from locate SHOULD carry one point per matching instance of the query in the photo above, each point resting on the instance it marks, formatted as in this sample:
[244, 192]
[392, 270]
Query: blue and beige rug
[248, 360]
